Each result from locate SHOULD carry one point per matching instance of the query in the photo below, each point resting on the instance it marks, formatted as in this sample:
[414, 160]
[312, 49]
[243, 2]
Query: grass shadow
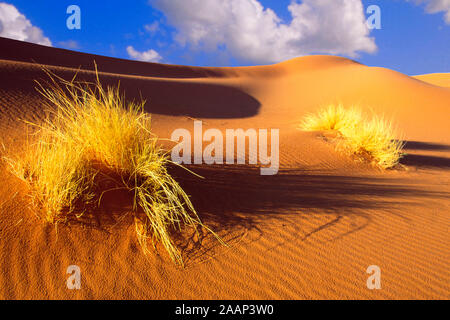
[418, 160]
[418, 145]
[425, 161]
[232, 197]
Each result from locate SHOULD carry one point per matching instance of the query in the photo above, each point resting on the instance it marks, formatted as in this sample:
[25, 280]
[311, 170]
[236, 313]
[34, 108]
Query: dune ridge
[309, 232]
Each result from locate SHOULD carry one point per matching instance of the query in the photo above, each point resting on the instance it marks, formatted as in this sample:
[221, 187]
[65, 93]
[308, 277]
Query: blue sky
[414, 37]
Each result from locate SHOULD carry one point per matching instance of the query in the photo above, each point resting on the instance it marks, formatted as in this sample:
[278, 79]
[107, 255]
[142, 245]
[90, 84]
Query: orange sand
[437, 79]
[309, 232]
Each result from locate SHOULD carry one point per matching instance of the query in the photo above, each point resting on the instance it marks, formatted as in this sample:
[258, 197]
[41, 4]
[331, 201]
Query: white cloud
[253, 33]
[15, 25]
[435, 6]
[152, 27]
[147, 56]
[69, 44]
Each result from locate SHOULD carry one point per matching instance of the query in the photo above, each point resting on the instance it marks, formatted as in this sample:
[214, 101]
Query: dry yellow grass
[373, 138]
[92, 133]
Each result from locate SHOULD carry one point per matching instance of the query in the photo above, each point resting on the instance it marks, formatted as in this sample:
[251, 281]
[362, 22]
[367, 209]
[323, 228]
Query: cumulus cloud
[253, 33]
[435, 6]
[147, 56]
[15, 25]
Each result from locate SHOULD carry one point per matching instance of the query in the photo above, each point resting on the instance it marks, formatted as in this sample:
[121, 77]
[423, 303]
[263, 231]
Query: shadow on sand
[194, 99]
[417, 160]
[430, 161]
[417, 145]
[225, 191]
[162, 96]
[231, 198]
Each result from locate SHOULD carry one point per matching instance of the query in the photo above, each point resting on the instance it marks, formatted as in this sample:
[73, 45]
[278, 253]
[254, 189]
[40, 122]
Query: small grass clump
[92, 134]
[372, 139]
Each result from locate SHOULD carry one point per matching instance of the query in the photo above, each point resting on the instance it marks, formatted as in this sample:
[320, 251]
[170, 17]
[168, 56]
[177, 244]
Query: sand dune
[309, 232]
[438, 79]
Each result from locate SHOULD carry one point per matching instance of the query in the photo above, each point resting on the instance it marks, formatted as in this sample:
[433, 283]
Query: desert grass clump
[91, 134]
[373, 139]
[334, 118]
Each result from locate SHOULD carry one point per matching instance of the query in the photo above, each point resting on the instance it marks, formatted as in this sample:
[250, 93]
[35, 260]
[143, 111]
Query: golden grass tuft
[91, 132]
[373, 139]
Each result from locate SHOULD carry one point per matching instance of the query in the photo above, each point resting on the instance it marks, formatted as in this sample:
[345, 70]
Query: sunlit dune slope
[438, 79]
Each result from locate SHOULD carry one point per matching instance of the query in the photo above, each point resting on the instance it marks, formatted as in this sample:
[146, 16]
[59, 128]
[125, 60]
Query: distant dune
[309, 232]
[438, 79]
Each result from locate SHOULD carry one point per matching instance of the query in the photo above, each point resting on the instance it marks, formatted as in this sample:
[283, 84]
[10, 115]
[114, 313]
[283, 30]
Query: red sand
[309, 232]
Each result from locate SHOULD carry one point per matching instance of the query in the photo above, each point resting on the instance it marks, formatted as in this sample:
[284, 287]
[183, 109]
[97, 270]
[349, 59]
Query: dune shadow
[33, 53]
[162, 96]
[194, 99]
